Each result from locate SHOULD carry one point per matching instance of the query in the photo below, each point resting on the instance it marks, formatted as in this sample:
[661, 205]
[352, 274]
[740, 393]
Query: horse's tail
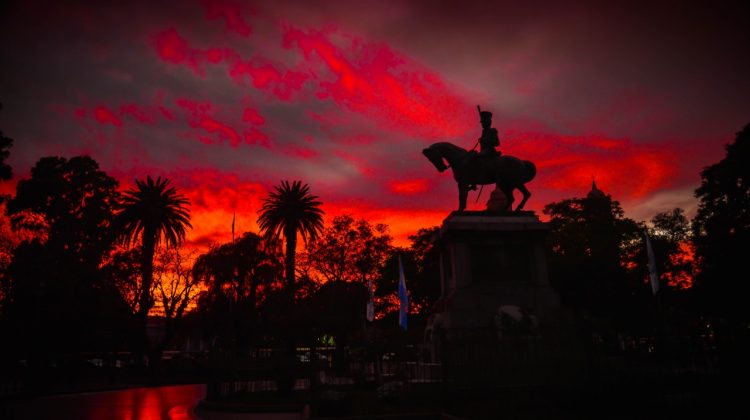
[529, 171]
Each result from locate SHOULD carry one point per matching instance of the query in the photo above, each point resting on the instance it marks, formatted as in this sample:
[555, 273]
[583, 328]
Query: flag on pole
[403, 297]
[652, 267]
[370, 304]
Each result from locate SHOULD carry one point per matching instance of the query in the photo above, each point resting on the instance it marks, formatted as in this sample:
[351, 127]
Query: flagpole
[403, 297]
[655, 289]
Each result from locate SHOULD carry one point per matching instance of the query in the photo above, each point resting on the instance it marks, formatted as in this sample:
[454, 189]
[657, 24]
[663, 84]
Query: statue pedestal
[490, 261]
[497, 313]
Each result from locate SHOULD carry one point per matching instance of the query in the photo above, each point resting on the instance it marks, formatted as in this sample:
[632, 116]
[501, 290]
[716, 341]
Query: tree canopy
[5, 144]
[236, 277]
[76, 199]
[348, 250]
[291, 209]
[722, 230]
[588, 244]
[151, 212]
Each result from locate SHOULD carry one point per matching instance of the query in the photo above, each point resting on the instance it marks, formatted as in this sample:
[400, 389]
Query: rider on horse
[487, 142]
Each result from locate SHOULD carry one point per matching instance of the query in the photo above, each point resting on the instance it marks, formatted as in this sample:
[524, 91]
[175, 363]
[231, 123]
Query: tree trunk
[148, 247]
[286, 379]
[291, 248]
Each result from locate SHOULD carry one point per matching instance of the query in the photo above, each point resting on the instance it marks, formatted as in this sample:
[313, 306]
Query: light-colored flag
[370, 304]
[403, 296]
[653, 274]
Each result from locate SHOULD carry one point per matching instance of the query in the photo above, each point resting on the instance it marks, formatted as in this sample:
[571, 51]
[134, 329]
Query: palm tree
[289, 210]
[152, 212]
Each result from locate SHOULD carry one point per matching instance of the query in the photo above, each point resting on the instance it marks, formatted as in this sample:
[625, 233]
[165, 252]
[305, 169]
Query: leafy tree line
[598, 260]
[87, 266]
[84, 264]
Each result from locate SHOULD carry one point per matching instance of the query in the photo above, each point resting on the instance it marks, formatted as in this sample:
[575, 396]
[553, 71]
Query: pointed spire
[595, 192]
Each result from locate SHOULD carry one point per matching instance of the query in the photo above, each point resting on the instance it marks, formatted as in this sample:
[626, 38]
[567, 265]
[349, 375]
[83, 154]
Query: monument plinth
[493, 265]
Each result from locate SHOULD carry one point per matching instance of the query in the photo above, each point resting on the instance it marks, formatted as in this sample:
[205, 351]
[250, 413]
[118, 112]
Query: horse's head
[434, 156]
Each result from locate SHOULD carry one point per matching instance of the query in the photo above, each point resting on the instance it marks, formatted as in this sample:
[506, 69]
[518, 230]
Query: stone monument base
[497, 306]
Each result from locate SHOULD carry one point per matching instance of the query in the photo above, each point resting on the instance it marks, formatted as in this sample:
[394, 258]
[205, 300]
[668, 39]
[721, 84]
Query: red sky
[226, 98]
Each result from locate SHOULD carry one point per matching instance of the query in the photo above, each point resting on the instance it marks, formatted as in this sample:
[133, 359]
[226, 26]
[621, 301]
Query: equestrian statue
[488, 166]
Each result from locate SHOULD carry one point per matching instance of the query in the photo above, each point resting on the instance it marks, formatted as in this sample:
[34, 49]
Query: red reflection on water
[161, 403]
[173, 403]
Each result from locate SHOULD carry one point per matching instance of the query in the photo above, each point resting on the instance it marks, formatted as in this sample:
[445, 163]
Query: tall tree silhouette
[722, 230]
[150, 213]
[291, 209]
[57, 301]
[671, 240]
[76, 201]
[586, 244]
[236, 276]
[5, 144]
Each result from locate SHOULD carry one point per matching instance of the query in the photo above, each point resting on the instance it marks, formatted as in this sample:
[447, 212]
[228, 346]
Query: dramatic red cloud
[363, 165]
[198, 117]
[263, 74]
[252, 116]
[104, 115]
[255, 136]
[372, 79]
[409, 187]
[141, 114]
[268, 77]
[566, 163]
[300, 152]
[172, 48]
[231, 12]
[367, 78]
[137, 112]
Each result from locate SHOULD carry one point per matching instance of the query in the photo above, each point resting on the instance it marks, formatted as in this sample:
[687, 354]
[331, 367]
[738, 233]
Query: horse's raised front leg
[526, 195]
[463, 193]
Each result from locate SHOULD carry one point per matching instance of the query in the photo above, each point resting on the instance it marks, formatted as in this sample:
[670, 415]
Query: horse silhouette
[507, 172]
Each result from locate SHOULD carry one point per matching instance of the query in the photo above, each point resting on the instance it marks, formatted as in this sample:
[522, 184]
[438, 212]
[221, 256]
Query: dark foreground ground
[679, 396]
